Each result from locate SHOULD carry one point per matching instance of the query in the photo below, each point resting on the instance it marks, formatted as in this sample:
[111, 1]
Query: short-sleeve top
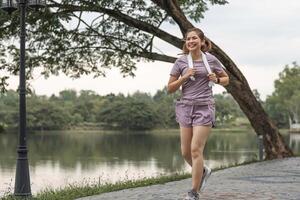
[198, 89]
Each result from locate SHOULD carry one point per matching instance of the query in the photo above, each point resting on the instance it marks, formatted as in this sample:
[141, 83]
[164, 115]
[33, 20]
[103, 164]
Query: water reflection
[294, 142]
[59, 158]
[92, 148]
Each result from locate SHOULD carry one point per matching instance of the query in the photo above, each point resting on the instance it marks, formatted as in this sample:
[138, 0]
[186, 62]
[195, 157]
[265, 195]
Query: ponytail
[207, 45]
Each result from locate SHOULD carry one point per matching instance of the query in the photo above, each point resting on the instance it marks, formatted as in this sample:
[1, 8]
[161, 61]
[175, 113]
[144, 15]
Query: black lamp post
[22, 180]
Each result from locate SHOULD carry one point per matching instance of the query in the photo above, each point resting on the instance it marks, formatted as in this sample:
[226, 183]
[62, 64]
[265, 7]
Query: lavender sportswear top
[198, 89]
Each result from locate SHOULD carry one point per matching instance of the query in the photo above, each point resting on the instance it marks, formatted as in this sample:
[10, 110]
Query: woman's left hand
[212, 77]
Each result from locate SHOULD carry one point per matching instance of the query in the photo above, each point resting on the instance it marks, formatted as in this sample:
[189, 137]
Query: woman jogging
[195, 111]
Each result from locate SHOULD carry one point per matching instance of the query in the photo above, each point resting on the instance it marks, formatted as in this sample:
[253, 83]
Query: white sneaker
[192, 195]
[205, 176]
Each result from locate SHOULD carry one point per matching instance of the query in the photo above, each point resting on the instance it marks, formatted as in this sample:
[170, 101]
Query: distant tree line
[71, 109]
[141, 111]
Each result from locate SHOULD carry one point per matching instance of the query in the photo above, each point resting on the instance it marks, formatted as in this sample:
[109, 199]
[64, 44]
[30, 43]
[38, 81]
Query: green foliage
[194, 9]
[284, 103]
[139, 111]
[130, 113]
[293, 105]
[288, 83]
[165, 105]
[2, 127]
[9, 109]
[277, 111]
[227, 110]
[88, 189]
[46, 115]
[88, 105]
[68, 95]
[88, 37]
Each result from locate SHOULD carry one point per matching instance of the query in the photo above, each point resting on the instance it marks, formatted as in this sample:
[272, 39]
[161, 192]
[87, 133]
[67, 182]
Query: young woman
[195, 111]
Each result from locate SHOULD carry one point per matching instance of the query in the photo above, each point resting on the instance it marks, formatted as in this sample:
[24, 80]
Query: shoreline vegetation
[86, 110]
[175, 131]
[85, 189]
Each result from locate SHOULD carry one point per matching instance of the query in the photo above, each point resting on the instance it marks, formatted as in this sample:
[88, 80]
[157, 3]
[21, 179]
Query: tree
[227, 109]
[119, 34]
[68, 95]
[277, 111]
[46, 115]
[8, 109]
[284, 104]
[127, 113]
[164, 105]
[294, 107]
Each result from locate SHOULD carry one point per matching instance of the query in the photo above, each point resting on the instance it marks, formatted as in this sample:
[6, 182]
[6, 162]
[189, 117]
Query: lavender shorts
[189, 114]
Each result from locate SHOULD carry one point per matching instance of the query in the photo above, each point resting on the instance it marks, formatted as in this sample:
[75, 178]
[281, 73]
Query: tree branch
[144, 54]
[173, 10]
[109, 37]
[130, 21]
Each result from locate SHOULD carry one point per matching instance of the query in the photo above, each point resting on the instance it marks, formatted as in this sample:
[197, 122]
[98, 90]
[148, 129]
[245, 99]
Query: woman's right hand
[175, 82]
[190, 72]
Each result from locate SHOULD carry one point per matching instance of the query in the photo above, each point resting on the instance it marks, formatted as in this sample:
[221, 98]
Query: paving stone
[268, 180]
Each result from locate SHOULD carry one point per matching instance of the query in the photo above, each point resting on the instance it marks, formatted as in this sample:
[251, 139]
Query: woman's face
[193, 42]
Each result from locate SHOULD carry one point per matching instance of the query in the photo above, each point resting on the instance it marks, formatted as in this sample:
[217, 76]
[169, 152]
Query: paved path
[276, 179]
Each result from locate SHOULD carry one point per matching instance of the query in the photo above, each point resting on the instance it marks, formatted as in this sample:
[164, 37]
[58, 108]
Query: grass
[71, 192]
[74, 191]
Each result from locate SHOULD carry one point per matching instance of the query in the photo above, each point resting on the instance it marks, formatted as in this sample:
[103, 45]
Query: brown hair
[207, 43]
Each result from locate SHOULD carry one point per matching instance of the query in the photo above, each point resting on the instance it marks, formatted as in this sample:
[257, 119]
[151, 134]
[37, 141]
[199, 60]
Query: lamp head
[36, 4]
[9, 6]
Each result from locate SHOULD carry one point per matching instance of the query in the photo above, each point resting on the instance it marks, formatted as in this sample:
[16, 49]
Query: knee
[196, 152]
[186, 153]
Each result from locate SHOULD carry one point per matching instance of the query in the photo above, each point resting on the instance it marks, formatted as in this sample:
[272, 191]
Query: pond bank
[275, 179]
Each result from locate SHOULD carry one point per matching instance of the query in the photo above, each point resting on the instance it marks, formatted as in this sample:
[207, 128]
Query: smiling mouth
[192, 45]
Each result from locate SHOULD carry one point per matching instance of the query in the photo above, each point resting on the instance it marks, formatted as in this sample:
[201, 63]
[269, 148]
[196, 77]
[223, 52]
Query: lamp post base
[22, 180]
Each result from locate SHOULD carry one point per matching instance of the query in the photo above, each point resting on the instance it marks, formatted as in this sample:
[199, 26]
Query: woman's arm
[175, 82]
[222, 78]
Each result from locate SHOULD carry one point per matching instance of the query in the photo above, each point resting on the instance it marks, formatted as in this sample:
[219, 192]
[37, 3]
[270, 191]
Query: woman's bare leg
[200, 135]
[186, 135]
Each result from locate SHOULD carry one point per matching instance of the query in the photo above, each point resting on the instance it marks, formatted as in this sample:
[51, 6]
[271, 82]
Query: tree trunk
[274, 144]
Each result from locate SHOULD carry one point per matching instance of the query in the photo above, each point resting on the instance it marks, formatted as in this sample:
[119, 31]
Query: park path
[267, 180]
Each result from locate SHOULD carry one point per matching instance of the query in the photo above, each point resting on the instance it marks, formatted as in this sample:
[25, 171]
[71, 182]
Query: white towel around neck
[190, 63]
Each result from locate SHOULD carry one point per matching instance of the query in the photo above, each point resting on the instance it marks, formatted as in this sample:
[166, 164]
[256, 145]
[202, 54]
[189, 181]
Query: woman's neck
[196, 55]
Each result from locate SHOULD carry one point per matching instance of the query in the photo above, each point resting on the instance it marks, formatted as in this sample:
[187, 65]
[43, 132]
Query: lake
[57, 159]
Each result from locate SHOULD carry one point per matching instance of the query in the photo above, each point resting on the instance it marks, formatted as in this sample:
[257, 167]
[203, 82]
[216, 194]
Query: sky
[260, 36]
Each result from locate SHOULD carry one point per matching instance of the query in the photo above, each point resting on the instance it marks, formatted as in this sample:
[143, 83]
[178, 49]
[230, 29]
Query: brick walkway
[275, 179]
